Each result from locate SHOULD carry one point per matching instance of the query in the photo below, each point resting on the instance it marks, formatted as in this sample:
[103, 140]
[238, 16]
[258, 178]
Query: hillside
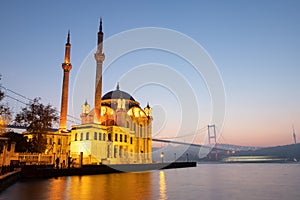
[287, 151]
[193, 153]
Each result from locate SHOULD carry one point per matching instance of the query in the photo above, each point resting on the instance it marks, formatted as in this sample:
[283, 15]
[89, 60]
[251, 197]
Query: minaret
[85, 112]
[66, 66]
[99, 57]
[148, 110]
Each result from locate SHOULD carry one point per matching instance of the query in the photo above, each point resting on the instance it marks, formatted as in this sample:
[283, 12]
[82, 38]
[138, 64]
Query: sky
[255, 46]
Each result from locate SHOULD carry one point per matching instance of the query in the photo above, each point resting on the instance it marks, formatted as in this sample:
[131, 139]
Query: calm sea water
[207, 181]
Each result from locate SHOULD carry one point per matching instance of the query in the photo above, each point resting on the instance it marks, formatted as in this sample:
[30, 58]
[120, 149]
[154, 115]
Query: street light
[162, 156]
[175, 157]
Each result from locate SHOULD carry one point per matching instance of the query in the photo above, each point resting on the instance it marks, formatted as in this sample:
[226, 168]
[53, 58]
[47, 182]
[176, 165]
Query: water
[207, 181]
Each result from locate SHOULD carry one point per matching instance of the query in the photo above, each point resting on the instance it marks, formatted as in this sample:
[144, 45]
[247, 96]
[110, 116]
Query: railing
[35, 158]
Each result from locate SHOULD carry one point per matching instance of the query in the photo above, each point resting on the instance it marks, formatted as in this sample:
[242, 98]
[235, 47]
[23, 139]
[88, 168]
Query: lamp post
[162, 156]
[175, 157]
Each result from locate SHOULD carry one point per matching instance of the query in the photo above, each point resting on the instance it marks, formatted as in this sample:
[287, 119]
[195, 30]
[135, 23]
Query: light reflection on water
[162, 185]
[207, 181]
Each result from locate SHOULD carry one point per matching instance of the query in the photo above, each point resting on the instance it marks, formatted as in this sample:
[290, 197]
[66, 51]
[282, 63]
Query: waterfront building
[7, 151]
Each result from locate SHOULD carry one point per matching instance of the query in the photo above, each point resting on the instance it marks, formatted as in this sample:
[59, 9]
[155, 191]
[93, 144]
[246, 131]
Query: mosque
[116, 131]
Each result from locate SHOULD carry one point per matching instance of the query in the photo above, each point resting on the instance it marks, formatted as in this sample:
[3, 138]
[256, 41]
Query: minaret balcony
[67, 66]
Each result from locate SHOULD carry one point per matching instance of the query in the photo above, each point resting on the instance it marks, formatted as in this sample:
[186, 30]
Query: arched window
[120, 151]
[87, 136]
[75, 136]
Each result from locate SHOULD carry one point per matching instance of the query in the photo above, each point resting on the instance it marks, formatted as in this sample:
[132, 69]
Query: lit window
[87, 136]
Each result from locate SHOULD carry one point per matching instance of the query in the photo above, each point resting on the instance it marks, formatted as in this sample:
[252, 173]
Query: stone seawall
[35, 171]
[8, 179]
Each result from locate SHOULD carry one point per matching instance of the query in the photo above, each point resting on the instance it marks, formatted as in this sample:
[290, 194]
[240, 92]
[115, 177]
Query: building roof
[110, 99]
[117, 94]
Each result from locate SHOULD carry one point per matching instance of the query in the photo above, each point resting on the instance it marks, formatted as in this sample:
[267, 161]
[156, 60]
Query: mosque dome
[110, 99]
[117, 94]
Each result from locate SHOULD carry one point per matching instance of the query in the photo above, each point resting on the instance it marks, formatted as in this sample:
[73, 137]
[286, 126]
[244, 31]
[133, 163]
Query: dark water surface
[207, 181]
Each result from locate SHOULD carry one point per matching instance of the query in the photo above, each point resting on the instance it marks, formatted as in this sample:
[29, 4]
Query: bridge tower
[294, 136]
[66, 66]
[212, 139]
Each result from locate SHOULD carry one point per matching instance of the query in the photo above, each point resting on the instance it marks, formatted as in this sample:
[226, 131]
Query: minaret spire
[68, 39]
[100, 27]
[100, 38]
[99, 57]
[68, 49]
[66, 66]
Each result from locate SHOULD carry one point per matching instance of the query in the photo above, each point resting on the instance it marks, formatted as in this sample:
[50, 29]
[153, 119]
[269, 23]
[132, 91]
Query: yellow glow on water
[106, 186]
[162, 185]
[56, 188]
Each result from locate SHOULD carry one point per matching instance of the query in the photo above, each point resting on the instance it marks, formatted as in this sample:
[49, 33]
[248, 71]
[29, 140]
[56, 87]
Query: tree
[38, 120]
[4, 109]
[5, 114]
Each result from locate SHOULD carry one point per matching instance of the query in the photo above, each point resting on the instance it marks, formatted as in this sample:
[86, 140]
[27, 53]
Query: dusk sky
[254, 44]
